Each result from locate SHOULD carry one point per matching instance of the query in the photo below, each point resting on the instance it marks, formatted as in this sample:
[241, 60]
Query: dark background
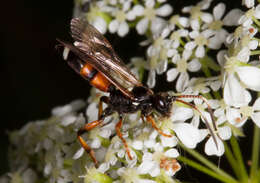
[34, 78]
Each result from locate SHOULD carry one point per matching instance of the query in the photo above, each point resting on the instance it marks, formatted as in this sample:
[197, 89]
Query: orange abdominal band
[95, 78]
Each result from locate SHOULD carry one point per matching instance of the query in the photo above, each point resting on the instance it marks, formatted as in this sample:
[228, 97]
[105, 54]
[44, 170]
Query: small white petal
[153, 135]
[203, 134]
[164, 10]
[186, 54]
[195, 25]
[216, 41]
[234, 117]
[188, 134]
[257, 11]
[145, 167]
[169, 142]
[172, 74]
[249, 3]
[95, 143]
[194, 65]
[204, 4]
[215, 85]
[47, 169]
[79, 153]
[130, 15]
[256, 105]
[219, 11]
[186, 9]
[60, 111]
[101, 25]
[249, 75]
[165, 32]
[200, 51]
[147, 156]
[232, 17]
[113, 26]
[194, 34]
[182, 82]
[247, 22]
[149, 3]
[123, 29]
[183, 32]
[208, 33]
[171, 52]
[138, 145]
[157, 25]
[162, 67]
[142, 26]
[149, 143]
[138, 10]
[155, 171]
[103, 167]
[105, 133]
[195, 121]
[181, 113]
[206, 17]
[234, 93]
[244, 55]
[151, 79]
[66, 121]
[172, 153]
[91, 111]
[256, 118]
[176, 58]
[253, 44]
[220, 57]
[190, 45]
[225, 132]
[211, 149]
[184, 21]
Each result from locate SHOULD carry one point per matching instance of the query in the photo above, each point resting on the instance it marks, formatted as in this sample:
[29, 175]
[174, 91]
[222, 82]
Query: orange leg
[119, 134]
[151, 120]
[100, 105]
[88, 127]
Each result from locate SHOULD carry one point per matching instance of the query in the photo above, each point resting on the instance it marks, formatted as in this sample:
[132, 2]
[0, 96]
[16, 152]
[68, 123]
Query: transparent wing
[103, 56]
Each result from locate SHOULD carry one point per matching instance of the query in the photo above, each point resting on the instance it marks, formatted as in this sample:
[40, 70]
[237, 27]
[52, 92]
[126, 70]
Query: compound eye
[161, 104]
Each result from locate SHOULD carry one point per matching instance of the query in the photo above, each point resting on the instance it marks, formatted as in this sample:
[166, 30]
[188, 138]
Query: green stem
[239, 158]
[208, 163]
[258, 175]
[256, 22]
[255, 155]
[255, 52]
[232, 161]
[206, 170]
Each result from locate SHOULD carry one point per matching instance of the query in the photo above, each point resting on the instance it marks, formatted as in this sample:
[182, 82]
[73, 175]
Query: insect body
[94, 59]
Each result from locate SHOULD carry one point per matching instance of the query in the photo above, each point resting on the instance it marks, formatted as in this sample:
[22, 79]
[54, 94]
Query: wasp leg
[104, 99]
[119, 134]
[89, 126]
[151, 120]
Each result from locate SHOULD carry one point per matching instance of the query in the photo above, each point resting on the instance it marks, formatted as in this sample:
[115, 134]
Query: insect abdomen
[94, 77]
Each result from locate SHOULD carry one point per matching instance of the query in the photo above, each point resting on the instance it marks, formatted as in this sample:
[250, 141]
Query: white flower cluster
[203, 53]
